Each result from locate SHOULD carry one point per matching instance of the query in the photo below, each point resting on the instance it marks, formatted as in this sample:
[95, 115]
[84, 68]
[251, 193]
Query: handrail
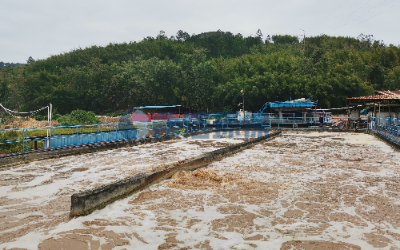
[388, 127]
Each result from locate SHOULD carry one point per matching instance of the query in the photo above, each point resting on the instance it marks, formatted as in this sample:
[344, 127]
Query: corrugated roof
[380, 95]
[157, 107]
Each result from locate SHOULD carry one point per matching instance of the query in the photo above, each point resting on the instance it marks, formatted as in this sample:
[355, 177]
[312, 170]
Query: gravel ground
[302, 190]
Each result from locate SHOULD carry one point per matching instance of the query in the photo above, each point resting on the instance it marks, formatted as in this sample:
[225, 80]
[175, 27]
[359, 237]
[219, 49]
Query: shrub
[114, 114]
[78, 117]
[9, 148]
[39, 117]
[4, 117]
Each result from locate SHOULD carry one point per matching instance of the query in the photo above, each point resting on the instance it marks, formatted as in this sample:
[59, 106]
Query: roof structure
[379, 95]
[300, 103]
[157, 107]
[166, 109]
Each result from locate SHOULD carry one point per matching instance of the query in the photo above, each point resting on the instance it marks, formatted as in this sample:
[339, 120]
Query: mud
[300, 191]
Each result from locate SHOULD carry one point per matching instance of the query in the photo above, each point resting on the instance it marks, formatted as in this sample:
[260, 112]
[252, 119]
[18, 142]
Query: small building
[384, 103]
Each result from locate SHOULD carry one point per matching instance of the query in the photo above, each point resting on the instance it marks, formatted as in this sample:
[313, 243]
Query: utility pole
[304, 39]
[49, 120]
[242, 98]
[244, 113]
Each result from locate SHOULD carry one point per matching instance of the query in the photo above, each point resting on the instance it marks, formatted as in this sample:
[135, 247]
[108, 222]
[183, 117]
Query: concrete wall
[353, 113]
[394, 143]
[87, 201]
[386, 114]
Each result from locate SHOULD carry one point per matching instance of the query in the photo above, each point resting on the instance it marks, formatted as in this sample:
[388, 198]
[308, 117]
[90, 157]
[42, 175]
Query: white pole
[51, 114]
[51, 120]
[48, 123]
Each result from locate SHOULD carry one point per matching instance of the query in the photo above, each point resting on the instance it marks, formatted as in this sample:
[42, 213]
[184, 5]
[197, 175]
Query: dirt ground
[107, 119]
[25, 122]
[302, 190]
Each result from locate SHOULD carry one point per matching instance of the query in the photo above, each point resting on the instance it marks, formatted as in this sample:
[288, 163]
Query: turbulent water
[299, 191]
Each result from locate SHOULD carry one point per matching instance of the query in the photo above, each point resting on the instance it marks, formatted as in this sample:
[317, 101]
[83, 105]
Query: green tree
[198, 85]
[285, 39]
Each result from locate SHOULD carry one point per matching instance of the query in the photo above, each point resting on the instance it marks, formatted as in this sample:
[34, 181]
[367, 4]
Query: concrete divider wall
[87, 201]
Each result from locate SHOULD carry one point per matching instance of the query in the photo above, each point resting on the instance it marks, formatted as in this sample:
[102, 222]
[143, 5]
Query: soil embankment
[25, 122]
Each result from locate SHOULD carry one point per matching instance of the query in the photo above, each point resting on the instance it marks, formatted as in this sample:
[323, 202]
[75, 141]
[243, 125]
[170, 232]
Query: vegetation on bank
[78, 117]
[206, 72]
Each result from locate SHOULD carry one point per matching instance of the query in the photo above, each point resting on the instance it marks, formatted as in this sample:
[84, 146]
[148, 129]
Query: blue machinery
[287, 106]
[387, 127]
[300, 103]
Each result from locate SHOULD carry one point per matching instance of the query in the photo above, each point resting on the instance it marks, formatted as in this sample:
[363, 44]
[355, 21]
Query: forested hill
[205, 72]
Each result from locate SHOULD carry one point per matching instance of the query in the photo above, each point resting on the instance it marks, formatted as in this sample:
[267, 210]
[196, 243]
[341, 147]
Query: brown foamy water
[299, 191]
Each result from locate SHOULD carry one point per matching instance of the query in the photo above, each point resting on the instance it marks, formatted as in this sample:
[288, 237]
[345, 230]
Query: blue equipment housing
[300, 103]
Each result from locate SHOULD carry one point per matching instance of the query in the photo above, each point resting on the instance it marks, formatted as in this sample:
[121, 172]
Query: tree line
[5, 65]
[206, 72]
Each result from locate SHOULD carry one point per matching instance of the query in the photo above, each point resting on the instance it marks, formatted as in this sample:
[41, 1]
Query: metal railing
[23, 140]
[266, 120]
[387, 127]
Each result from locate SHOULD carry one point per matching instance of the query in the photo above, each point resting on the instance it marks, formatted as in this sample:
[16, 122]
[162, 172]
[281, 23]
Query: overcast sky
[41, 28]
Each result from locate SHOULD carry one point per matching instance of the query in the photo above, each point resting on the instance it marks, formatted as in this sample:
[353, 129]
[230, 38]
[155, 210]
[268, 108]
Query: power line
[351, 14]
[377, 14]
[354, 19]
[342, 14]
[13, 112]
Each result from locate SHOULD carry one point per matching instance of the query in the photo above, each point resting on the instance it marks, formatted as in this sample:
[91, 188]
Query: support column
[348, 115]
[379, 109]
